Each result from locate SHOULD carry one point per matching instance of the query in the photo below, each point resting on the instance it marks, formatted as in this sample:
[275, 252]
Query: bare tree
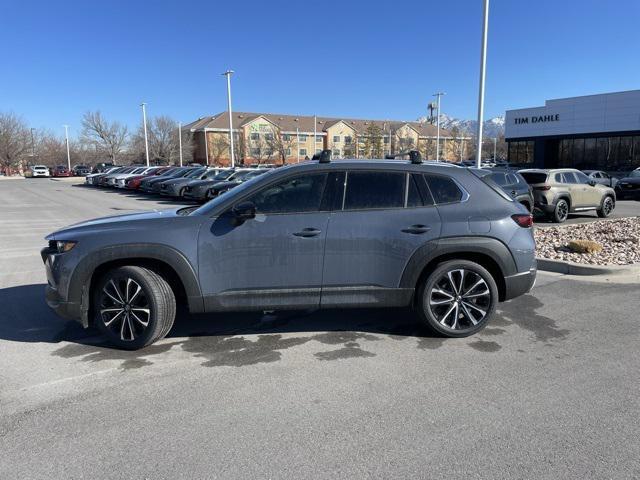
[14, 140]
[219, 147]
[164, 146]
[110, 137]
[281, 145]
[406, 143]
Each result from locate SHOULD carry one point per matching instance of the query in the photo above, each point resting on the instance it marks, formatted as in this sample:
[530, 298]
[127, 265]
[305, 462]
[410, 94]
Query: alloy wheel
[607, 206]
[460, 299]
[124, 308]
[563, 210]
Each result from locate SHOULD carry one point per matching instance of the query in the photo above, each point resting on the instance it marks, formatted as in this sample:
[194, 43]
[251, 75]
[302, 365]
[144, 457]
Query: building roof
[304, 123]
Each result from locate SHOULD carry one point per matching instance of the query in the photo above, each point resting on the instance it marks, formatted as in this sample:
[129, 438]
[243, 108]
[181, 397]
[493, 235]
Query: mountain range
[494, 127]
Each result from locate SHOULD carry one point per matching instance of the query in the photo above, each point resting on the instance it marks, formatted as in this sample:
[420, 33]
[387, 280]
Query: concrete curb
[571, 268]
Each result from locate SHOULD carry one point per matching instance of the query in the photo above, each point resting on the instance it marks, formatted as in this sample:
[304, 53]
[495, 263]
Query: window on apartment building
[347, 140]
[318, 138]
[255, 152]
[288, 152]
[361, 139]
[286, 137]
[386, 140]
[255, 136]
[335, 153]
[336, 139]
[303, 138]
[268, 136]
[303, 151]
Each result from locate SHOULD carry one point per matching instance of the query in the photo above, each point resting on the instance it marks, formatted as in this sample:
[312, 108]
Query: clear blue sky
[333, 58]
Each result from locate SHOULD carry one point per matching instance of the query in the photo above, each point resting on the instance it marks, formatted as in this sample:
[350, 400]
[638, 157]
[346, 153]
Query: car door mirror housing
[592, 182]
[243, 211]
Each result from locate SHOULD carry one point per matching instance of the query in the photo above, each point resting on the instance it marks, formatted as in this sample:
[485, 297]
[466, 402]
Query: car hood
[97, 225]
[632, 180]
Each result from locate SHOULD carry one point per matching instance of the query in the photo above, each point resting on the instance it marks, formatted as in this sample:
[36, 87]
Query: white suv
[39, 171]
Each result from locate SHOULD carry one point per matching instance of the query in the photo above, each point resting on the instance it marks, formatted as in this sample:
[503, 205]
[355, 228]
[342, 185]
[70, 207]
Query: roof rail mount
[414, 156]
[323, 157]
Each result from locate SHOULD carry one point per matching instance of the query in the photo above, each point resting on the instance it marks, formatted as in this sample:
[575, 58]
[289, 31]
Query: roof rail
[414, 156]
[323, 157]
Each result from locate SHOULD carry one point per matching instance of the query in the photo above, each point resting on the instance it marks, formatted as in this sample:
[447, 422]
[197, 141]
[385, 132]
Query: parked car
[459, 247]
[81, 170]
[95, 178]
[101, 167]
[173, 187]
[133, 183]
[198, 190]
[240, 177]
[147, 184]
[106, 180]
[629, 186]
[62, 171]
[558, 192]
[512, 183]
[118, 179]
[39, 171]
[180, 172]
[603, 178]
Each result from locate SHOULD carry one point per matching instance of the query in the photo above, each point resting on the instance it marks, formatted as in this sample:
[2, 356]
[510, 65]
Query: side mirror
[592, 182]
[243, 211]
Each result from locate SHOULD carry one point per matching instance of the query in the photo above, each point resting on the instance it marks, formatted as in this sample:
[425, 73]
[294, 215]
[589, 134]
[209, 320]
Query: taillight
[525, 220]
[543, 187]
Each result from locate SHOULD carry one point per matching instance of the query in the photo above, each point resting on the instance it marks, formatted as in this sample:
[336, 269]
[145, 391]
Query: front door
[384, 218]
[273, 260]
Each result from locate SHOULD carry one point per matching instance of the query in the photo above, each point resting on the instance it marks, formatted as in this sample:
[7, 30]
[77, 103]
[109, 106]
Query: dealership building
[599, 132]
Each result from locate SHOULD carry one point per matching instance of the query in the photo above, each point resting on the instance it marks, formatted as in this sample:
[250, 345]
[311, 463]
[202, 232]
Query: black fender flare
[490, 247]
[80, 281]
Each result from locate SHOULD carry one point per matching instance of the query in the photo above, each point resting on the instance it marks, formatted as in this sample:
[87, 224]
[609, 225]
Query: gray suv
[319, 234]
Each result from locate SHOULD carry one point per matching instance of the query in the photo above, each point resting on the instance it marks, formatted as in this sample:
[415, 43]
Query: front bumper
[519, 284]
[52, 293]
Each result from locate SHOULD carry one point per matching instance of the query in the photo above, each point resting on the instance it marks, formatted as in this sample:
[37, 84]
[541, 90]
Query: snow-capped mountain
[494, 127]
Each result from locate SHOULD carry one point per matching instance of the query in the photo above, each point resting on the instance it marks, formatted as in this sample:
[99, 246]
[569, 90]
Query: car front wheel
[561, 212]
[134, 307]
[457, 299]
[606, 208]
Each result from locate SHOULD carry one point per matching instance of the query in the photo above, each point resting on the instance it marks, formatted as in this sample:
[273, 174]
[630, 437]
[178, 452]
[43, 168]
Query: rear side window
[374, 190]
[443, 189]
[534, 177]
[501, 179]
[414, 199]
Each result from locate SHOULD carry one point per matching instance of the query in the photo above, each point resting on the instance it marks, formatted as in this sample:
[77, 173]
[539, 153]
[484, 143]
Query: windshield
[208, 207]
[223, 175]
[635, 174]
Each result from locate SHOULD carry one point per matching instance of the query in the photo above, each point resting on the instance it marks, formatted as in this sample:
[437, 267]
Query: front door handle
[307, 232]
[417, 229]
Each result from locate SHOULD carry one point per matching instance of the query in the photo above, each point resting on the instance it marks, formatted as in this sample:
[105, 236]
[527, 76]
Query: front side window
[582, 178]
[367, 190]
[295, 195]
[443, 189]
[569, 177]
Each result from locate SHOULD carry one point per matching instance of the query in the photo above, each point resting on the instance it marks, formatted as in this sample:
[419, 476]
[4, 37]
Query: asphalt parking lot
[551, 389]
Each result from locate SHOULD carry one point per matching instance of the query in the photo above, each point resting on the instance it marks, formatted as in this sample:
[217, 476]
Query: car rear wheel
[457, 299]
[561, 212]
[134, 307]
[606, 208]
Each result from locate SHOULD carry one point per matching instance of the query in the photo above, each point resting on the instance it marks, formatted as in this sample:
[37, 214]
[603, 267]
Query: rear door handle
[417, 229]
[307, 232]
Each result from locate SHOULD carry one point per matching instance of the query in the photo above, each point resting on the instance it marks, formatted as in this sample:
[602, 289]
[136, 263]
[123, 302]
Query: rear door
[381, 219]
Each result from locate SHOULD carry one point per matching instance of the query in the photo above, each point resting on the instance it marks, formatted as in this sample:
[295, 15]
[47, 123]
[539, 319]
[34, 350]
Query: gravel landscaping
[620, 240]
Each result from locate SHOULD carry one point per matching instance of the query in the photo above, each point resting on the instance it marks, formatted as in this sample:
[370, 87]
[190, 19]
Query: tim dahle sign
[537, 119]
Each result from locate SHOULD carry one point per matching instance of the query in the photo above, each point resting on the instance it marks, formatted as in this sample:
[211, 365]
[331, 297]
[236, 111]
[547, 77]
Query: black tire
[607, 207]
[121, 309]
[432, 306]
[561, 211]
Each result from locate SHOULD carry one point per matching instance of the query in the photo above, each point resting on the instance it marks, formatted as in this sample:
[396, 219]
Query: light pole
[483, 64]
[438, 95]
[228, 74]
[33, 146]
[495, 148]
[180, 140]
[66, 136]
[315, 135]
[298, 143]
[144, 126]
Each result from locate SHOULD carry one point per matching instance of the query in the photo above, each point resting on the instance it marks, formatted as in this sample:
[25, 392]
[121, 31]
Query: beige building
[274, 138]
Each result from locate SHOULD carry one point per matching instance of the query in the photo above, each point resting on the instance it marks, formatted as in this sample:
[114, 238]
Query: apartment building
[276, 138]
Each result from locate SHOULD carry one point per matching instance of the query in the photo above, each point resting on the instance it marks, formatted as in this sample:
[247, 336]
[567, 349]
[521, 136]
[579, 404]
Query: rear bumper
[519, 284]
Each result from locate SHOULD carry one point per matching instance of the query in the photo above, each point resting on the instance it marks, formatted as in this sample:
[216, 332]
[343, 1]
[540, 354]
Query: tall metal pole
[495, 148]
[438, 95]
[66, 136]
[298, 143]
[144, 124]
[315, 134]
[228, 74]
[206, 145]
[180, 140]
[33, 146]
[483, 64]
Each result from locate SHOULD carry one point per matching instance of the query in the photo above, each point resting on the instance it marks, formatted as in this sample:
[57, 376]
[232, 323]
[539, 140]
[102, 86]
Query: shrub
[584, 246]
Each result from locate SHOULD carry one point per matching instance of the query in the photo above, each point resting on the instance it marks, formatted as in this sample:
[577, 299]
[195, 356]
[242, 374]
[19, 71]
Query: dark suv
[317, 234]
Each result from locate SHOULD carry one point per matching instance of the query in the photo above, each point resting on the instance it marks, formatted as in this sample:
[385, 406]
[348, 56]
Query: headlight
[63, 246]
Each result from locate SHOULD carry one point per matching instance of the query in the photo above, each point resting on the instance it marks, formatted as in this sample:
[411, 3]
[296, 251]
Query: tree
[405, 143]
[109, 137]
[164, 145]
[373, 141]
[281, 144]
[14, 140]
[219, 147]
